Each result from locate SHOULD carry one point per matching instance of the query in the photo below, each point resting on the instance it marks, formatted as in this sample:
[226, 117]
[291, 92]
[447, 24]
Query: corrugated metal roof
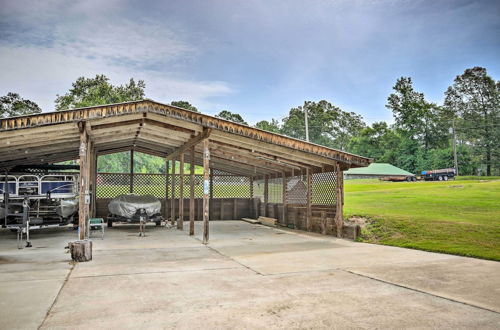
[378, 169]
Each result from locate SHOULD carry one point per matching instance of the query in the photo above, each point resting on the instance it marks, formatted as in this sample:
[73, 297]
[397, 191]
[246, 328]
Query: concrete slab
[274, 251]
[248, 277]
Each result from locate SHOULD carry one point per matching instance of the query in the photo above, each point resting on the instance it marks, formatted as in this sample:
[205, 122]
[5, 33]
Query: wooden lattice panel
[324, 188]
[110, 185]
[296, 189]
[231, 186]
[275, 190]
[150, 184]
[258, 189]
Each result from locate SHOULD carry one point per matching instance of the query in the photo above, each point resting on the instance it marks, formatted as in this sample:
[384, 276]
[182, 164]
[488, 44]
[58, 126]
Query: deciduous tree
[12, 105]
[234, 117]
[86, 92]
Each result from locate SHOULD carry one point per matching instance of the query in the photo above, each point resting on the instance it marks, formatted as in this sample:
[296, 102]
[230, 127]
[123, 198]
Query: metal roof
[378, 169]
[163, 130]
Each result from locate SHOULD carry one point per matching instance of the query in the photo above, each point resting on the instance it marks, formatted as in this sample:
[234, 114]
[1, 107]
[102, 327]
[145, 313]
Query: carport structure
[248, 171]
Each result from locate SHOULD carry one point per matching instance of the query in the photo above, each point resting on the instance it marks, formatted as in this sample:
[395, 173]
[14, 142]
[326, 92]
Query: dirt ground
[248, 277]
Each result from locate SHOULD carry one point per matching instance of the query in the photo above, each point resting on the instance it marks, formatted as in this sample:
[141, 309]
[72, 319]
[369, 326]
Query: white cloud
[41, 73]
[50, 44]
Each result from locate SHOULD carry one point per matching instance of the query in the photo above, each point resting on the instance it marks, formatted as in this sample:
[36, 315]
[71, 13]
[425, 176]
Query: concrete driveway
[248, 277]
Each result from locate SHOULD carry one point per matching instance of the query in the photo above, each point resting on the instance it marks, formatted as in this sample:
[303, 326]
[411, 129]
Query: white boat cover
[127, 205]
[67, 207]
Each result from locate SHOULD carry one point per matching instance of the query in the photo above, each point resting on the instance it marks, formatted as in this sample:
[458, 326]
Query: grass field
[458, 217]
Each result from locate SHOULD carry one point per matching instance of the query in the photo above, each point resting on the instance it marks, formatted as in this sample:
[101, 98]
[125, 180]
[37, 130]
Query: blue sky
[256, 58]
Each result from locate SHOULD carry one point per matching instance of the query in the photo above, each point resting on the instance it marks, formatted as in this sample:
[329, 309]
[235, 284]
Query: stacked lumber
[271, 222]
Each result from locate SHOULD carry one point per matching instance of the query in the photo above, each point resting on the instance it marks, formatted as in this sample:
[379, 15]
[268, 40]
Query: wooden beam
[180, 222]
[190, 143]
[206, 190]
[191, 193]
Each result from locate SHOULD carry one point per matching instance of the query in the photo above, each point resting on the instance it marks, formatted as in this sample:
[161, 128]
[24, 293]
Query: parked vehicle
[439, 175]
[133, 208]
[49, 199]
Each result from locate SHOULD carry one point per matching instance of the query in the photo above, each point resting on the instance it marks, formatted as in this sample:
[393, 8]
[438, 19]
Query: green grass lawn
[459, 217]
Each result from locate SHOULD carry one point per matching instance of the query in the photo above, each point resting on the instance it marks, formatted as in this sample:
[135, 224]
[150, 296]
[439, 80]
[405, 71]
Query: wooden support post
[309, 194]
[94, 185]
[284, 201]
[180, 222]
[84, 173]
[222, 200]
[339, 210]
[88, 198]
[131, 190]
[252, 208]
[191, 193]
[206, 190]
[172, 199]
[165, 214]
[235, 208]
[323, 222]
[266, 194]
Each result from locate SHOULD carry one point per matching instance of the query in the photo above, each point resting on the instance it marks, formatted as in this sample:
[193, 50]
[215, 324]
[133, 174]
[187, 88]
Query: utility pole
[307, 124]
[454, 137]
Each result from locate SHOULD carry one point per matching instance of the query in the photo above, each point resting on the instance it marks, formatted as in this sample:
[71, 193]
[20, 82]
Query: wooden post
[88, 178]
[235, 208]
[266, 194]
[166, 188]
[131, 190]
[323, 222]
[172, 204]
[252, 208]
[180, 222]
[94, 184]
[339, 211]
[309, 191]
[191, 193]
[221, 209]
[83, 207]
[206, 190]
[284, 196]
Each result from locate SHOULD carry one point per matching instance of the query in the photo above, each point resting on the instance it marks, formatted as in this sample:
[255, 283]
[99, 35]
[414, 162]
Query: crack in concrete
[157, 272]
[57, 296]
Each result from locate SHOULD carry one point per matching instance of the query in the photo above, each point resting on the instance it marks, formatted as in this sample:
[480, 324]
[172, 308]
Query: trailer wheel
[440, 178]
[158, 223]
[110, 223]
[413, 179]
[445, 178]
[408, 179]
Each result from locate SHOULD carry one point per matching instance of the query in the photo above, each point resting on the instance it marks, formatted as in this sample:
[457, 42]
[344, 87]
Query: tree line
[421, 137]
